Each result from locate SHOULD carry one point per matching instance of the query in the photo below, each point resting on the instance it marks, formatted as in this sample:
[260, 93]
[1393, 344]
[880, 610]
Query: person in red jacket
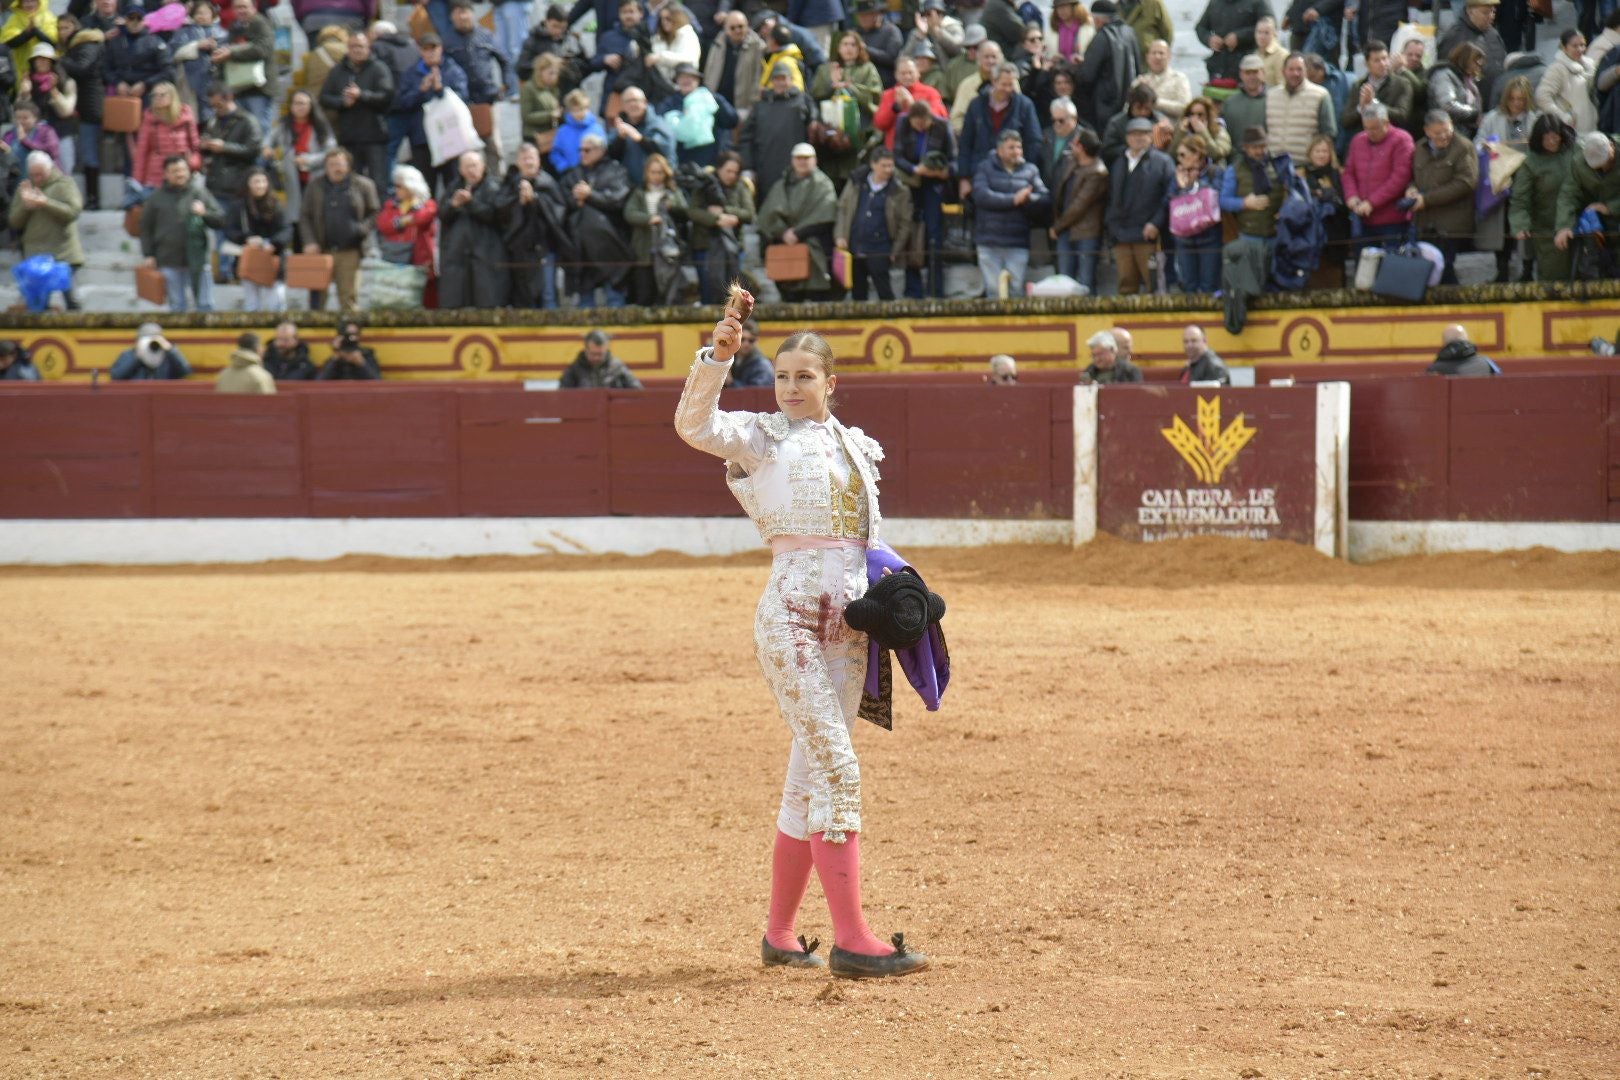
[408, 227]
[1377, 171]
[896, 100]
[168, 127]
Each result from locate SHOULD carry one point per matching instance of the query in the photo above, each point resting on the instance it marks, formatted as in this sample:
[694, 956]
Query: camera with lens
[155, 348]
[348, 343]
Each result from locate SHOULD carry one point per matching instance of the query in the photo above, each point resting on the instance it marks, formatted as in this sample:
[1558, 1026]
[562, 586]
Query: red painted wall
[1529, 448]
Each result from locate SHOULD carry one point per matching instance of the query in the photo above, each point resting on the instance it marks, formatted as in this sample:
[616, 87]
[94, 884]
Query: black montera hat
[896, 611]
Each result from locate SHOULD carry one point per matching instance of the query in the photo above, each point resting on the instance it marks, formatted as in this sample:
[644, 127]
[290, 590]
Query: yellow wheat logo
[1211, 450]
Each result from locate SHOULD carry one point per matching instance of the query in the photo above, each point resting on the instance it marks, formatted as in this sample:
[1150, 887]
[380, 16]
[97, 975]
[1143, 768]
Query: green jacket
[171, 233]
[808, 207]
[53, 229]
[1150, 21]
[1536, 187]
[1587, 186]
[539, 107]
[642, 232]
[739, 201]
[1258, 222]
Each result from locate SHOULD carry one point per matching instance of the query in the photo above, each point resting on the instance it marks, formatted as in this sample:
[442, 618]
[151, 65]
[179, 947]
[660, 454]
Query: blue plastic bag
[38, 276]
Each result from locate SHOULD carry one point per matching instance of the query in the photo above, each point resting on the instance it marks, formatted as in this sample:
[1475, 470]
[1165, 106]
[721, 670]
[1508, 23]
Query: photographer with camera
[350, 359]
[152, 357]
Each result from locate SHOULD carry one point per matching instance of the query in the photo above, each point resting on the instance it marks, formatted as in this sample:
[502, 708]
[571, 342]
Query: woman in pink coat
[168, 127]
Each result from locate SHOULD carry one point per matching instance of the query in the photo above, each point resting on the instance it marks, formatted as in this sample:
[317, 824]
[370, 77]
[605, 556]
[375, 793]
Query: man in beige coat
[45, 213]
[245, 373]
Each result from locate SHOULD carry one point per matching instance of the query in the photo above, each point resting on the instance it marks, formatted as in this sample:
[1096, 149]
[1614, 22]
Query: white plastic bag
[385, 285]
[1367, 266]
[508, 118]
[449, 127]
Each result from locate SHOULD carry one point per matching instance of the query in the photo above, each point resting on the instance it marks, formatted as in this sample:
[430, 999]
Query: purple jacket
[927, 664]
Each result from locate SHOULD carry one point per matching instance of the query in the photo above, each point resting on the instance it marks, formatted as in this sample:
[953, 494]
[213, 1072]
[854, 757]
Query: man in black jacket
[597, 189]
[1202, 363]
[552, 36]
[230, 143]
[472, 248]
[1107, 365]
[252, 41]
[1137, 206]
[597, 368]
[350, 360]
[286, 358]
[136, 58]
[1478, 25]
[924, 150]
[1458, 357]
[399, 53]
[1110, 67]
[883, 38]
[357, 95]
[535, 232]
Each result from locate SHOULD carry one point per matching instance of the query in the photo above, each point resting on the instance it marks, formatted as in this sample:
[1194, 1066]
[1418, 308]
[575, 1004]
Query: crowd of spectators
[884, 140]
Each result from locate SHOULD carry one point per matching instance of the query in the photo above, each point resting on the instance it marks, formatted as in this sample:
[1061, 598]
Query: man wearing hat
[1112, 62]
[136, 59]
[780, 122]
[939, 29]
[735, 65]
[1478, 25]
[693, 120]
[1593, 184]
[1247, 108]
[922, 54]
[152, 357]
[802, 208]
[1253, 189]
[428, 79]
[1008, 197]
[1138, 206]
[1227, 27]
[964, 64]
[883, 39]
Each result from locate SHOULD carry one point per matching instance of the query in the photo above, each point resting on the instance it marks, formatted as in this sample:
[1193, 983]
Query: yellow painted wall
[1531, 329]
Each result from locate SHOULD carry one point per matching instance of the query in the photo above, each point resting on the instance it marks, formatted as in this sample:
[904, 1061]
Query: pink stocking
[790, 873]
[839, 867]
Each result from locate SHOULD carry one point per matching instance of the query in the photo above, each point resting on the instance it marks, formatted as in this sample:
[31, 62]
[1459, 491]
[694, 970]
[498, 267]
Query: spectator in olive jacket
[597, 368]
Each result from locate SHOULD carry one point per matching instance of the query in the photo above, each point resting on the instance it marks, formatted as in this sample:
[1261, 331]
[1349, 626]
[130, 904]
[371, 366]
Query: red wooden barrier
[1531, 448]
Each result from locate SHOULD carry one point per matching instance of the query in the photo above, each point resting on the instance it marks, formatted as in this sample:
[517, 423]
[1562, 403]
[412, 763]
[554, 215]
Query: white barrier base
[170, 541]
[1371, 541]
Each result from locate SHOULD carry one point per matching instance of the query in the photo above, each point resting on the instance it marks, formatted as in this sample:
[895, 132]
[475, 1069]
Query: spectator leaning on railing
[1009, 197]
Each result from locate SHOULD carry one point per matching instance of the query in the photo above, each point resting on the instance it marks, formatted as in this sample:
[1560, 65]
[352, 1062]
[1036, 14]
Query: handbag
[313, 272]
[483, 120]
[243, 75]
[1194, 211]
[449, 127]
[260, 265]
[149, 285]
[787, 262]
[121, 114]
[132, 221]
[1403, 275]
[843, 269]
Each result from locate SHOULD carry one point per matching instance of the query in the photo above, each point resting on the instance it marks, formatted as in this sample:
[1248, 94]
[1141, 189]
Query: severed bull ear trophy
[740, 301]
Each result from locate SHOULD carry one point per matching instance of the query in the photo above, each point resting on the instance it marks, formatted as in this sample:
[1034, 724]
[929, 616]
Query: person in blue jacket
[578, 121]
[1009, 197]
[151, 357]
[425, 81]
[979, 132]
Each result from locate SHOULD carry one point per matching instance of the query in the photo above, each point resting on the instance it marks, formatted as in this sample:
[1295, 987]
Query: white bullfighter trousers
[816, 666]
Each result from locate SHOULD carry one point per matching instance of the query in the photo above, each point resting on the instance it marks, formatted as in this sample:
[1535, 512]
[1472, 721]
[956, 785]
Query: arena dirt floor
[1196, 810]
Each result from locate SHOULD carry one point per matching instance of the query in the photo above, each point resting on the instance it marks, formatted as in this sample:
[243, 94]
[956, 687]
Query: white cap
[804, 149]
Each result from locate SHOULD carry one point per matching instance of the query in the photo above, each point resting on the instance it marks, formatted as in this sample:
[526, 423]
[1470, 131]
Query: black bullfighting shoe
[805, 957]
[848, 965]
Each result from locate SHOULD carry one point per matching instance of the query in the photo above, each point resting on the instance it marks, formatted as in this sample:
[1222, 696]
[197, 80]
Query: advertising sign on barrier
[1163, 463]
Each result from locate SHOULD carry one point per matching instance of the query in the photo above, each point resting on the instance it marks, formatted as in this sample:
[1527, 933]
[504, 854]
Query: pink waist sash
[780, 544]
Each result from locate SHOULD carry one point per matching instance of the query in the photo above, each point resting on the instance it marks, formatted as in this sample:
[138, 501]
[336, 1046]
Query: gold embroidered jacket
[775, 466]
